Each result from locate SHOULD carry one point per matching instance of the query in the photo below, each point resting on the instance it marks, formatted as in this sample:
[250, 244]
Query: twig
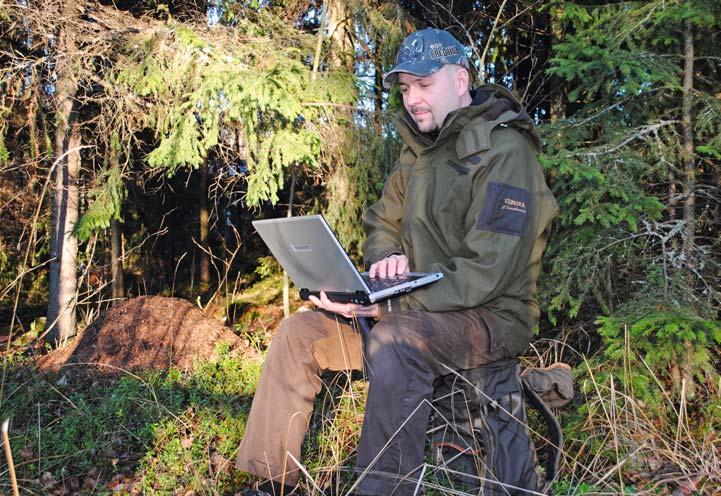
[9, 457]
[490, 38]
[305, 472]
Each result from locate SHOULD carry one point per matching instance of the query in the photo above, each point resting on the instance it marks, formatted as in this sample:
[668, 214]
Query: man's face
[429, 99]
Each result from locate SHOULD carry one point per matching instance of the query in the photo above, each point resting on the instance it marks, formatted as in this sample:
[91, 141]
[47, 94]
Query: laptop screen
[310, 253]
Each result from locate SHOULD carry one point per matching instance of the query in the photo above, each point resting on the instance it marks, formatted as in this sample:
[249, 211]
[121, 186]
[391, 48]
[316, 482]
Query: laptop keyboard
[375, 284]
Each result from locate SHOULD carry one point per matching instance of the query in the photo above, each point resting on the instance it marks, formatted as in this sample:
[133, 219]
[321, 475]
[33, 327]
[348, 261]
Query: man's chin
[427, 126]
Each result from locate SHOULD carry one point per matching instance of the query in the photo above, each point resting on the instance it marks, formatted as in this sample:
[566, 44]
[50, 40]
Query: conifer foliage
[157, 96]
[622, 163]
[194, 88]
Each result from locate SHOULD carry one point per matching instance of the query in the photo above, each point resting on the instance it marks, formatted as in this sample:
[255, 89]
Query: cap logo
[439, 53]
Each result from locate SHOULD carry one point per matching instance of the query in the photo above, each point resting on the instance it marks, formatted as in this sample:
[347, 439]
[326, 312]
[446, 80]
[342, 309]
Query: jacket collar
[492, 106]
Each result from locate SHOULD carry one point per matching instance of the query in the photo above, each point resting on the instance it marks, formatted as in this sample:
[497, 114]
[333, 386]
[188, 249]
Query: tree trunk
[341, 52]
[116, 262]
[319, 41]
[672, 205]
[556, 85]
[689, 213]
[204, 218]
[116, 238]
[63, 268]
[63, 243]
[378, 86]
[286, 282]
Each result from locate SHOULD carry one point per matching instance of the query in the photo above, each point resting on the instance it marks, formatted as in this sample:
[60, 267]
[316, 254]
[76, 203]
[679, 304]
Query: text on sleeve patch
[505, 209]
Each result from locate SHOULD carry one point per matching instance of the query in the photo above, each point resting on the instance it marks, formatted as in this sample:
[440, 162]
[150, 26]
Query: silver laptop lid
[310, 253]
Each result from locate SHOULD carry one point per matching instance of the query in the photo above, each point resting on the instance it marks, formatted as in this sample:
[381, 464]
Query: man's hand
[389, 267]
[348, 310]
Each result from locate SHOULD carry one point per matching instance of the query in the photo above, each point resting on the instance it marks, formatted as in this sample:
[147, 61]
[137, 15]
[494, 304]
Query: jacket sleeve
[510, 208]
[382, 221]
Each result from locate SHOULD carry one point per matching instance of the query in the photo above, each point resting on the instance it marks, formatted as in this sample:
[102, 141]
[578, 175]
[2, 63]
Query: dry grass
[615, 443]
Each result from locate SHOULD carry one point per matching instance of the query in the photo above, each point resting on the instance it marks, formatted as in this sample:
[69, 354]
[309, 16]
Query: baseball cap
[424, 53]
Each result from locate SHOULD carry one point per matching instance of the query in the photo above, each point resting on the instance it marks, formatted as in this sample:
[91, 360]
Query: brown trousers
[404, 354]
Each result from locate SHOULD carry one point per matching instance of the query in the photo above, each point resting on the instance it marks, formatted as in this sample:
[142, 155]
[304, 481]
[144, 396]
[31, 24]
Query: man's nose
[412, 95]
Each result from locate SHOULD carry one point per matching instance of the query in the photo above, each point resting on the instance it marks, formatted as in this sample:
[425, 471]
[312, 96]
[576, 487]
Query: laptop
[307, 249]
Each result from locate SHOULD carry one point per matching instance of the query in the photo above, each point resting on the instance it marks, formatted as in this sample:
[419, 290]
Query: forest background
[139, 139]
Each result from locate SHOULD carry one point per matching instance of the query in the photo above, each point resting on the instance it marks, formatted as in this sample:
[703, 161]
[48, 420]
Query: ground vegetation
[139, 139]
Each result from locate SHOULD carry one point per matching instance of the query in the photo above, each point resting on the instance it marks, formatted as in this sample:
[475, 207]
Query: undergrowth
[83, 430]
[633, 427]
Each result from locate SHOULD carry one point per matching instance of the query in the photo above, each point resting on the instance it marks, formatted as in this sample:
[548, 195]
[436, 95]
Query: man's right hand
[389, 267]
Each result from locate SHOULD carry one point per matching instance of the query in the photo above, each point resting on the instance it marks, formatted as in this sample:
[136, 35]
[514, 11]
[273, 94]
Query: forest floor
[150, 398]
[150, 332]
[153, 396]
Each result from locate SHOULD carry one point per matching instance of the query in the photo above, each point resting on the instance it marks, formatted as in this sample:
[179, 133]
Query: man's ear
[462, 80]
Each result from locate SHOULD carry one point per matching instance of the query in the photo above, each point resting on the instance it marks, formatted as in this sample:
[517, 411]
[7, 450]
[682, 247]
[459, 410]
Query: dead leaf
[187, 442]
[74, 483]
[219, 463]
[47, 480]
[91, 479]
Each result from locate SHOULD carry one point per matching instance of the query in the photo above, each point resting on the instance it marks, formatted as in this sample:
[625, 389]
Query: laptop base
[359, 297]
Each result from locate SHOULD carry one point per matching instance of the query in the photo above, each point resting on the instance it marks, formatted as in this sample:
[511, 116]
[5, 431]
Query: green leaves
[181, 146]
[603, 207]
[617, 162]
[665, 339]
[604, 54]
[278, 152]
[196, 92]
[106, 205]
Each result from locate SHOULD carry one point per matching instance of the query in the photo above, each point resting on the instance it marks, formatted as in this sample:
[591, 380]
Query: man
[466, 198]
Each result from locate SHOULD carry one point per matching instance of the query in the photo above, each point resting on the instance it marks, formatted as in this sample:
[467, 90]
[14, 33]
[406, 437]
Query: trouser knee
[392, 352]
[291, 344]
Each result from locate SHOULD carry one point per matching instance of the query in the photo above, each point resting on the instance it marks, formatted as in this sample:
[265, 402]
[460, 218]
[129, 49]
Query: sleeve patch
[505, 209]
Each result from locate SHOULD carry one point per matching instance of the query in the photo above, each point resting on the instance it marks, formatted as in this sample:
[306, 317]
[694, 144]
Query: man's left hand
[348, 310]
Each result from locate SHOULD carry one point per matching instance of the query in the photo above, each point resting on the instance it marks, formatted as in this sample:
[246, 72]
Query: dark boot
[270, 488]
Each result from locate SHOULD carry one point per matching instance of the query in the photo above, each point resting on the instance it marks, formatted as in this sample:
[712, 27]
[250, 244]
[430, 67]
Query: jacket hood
[492, 106]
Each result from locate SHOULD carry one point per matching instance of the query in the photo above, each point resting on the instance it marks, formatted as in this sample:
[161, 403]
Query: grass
[80, 431]
[158, 432]
[329, 450]
[619, 443]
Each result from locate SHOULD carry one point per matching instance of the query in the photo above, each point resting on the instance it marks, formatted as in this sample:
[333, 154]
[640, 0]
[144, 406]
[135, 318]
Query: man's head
[432, 71]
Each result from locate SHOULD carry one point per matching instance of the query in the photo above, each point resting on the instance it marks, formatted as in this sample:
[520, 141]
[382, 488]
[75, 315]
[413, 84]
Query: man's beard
[428, 126]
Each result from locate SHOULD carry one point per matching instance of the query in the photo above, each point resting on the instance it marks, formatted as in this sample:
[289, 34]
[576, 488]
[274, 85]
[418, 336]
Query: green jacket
[473, 204]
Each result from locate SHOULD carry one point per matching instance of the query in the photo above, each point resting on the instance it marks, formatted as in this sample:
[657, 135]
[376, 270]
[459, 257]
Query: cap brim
[424, 68]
